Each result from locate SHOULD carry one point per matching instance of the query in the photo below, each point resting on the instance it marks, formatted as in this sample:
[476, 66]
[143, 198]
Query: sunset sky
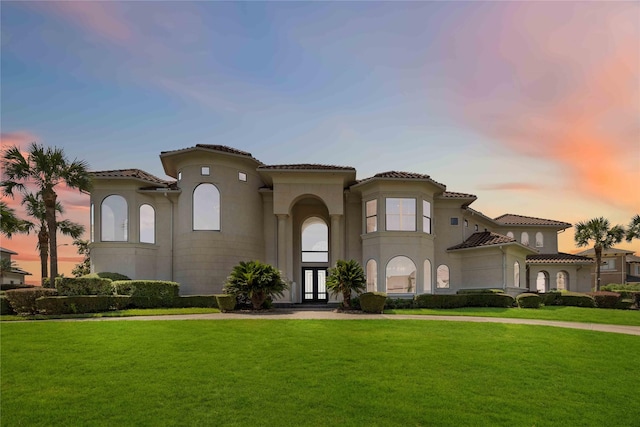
[532, 106]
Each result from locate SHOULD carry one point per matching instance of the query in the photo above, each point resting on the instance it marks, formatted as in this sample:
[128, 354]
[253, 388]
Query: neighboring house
[618, 266]
[411, 235]
[15, 276]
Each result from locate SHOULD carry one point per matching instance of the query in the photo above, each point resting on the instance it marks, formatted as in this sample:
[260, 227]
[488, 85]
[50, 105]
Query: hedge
[489, 300]
[108, 275]
[551, 298]
[528, 300]
[575, 299]
[393, 303]
[464, 300]
[5, 307]
[10, 286]
[373, 302]
[226, 302]
[605, 299]
[480, 291]
[81, 304]
[207, 301]
[72, 286]
[148, 293]
[23, 301]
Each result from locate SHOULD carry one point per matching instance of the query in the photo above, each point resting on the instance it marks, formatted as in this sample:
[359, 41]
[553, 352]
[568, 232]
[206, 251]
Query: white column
[282, 242]
[336, 241]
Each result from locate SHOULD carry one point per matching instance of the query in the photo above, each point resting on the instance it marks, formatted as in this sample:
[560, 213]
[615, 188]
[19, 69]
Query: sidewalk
[293, 314]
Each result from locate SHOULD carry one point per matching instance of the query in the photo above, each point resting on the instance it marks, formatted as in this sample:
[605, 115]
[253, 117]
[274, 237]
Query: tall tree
[10, 223]
[633, 230]
[46, 168]
[34, 207]
[603, 236]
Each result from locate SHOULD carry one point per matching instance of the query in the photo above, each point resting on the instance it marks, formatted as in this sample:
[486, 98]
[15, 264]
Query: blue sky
[532, 106]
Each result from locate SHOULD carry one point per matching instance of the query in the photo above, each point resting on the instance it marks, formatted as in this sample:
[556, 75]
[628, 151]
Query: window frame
[125, 226]
[217, 225]
[153, 225]
[426, 219]
[411, 289]
[403, 218]
[374, 217]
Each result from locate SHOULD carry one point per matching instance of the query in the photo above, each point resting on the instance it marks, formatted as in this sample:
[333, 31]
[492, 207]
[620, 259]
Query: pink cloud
[511, 186]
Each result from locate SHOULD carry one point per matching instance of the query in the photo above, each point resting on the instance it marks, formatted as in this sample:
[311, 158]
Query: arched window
[510, 234]
[427, 277]
[442, 277]
[372, 276]
[516, 274]
[562, 281]
[539, 240]
[147, 224]
[524, 238]
[315, 240]
[206, 207]
[542, 281]
[401, 276]
[115, 219]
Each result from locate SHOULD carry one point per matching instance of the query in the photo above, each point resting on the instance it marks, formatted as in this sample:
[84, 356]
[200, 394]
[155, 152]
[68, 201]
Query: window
[442, 277]
[562, 281]
[608, 264]
[205, 171]
[542, 281]
[371, 214]
[179, 175]
[427, 277]
[426, 217]
[242, 177]
[516, 274]
[401, 276]
[372, 276]
[466, 224]
[115, 219]
[315, 240]
[539, 240]
[206, 207]
[510, 234]
[475, 228]
[147, 224]
[454, 221]
[524, 238]
[92, 223]
[401, 214]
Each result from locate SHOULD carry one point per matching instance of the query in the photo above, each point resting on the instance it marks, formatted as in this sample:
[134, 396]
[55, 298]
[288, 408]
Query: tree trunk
[43, 246]
[346, 299]
[49, 196]
[598, 251]
[257, 299]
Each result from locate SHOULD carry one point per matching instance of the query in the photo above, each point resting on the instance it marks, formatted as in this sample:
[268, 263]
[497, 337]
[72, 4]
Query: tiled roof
[485, 238]
[221, 148]
[606, 252]
[129, 173]
[633, 258]
[306, 166]
[559, 258]
[454, 195]
[512, 219]
[402, 176]
[8, 251]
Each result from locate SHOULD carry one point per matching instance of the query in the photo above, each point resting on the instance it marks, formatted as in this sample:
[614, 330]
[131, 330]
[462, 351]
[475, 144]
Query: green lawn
[314, 372]
[566, 314]
[119, 313]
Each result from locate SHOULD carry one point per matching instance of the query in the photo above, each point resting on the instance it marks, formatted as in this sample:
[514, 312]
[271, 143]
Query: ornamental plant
[346, 277]
[256, 281]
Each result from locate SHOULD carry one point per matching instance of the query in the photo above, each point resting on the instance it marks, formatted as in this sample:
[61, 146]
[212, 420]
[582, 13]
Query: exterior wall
[578, 276]
[616, 275]
[549, 236]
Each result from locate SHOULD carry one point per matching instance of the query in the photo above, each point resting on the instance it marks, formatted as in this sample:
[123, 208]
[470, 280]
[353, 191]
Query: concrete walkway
[293, 314]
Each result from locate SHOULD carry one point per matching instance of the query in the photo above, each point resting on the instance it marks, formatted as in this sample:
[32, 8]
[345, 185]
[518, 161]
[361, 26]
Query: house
[13, 275]
[409, 232]
[618, 266]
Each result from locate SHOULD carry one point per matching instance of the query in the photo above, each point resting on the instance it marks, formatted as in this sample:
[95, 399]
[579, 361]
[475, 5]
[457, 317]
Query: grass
[314, 373]
[118, 313]
[566, 314]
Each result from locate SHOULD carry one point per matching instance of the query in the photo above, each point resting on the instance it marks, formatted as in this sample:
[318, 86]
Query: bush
[605, 299]
[440, 301]
[528, 300]
[80, 304]
[206, 301]
[23, 301]
[551, 298]
[148, 293]
[107, 275]
[72, 286]
[10, 286]
[373, 302]
[255, 281]
[393, 303]
[5, 307]
[226, 302]
[614, 287]
[480, 291]
[575, 299]
[489, 300]
[624, 304]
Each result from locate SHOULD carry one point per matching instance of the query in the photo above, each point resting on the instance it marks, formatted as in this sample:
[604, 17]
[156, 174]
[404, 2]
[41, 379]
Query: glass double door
[314, 280]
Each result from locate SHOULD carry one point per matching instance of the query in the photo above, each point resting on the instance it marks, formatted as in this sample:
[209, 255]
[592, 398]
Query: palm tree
[256, 281]
[10, 223]
[45, 168]
[633, 230]
[346, 277]
[34, 206]
[604, 236]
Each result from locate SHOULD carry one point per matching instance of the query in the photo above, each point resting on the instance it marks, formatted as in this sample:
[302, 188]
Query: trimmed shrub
[393, 303]
[148, 293]
[605, 299]
[575, 299]
[80, 304]
[489, 300]
[5, 307]
[440, 301]
[624, 304]
[373, 302]
[72, 286]
[480, 291]
[10, 286]
[528, 300]
[112, 276]
[206, 301]
[616, 287]
[551, 298]
[23, 301]
[226, 302]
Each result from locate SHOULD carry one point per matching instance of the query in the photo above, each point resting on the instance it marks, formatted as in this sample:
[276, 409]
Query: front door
[314, 284]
